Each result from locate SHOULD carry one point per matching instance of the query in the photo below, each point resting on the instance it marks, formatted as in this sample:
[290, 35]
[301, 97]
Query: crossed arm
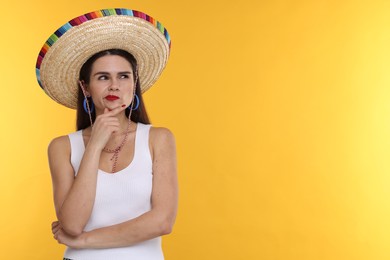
[77, 194]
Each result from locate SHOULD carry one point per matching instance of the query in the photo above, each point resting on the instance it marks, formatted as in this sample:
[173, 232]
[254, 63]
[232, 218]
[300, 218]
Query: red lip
[111, 97]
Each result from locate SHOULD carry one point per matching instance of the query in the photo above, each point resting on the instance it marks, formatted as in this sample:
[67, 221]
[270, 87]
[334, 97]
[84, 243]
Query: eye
[102, 77]
[124, 76]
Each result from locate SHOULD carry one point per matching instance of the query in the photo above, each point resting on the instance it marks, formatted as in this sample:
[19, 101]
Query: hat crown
[61, 57]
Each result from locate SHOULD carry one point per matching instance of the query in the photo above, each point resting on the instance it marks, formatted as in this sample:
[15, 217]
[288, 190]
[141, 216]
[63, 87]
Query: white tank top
[121, 196]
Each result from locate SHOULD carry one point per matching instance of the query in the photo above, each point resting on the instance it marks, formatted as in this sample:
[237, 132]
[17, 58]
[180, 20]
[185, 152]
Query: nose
[114, 85]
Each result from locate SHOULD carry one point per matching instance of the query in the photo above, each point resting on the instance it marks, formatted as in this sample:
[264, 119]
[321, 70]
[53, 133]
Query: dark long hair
[138, 115]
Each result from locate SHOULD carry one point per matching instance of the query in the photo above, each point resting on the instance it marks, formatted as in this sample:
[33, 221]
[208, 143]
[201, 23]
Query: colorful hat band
[90, 16]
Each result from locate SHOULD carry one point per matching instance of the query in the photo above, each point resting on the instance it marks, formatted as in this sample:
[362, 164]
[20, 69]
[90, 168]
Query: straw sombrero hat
[62, 56]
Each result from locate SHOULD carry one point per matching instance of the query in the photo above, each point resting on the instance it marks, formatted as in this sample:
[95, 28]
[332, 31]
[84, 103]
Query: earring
[88, 105]
[137, 100]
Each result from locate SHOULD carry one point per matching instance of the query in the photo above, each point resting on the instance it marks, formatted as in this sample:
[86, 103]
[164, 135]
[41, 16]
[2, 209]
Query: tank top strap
[76, 149]
[142, 143]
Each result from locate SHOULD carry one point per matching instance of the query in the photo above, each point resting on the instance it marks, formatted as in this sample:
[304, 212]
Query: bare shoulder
[162, 141]
[59, 153]
[59, 145]
[161, 136]
[158, 133]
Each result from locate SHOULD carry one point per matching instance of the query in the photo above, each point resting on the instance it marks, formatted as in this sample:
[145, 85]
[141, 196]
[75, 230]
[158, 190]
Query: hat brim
[61, 64]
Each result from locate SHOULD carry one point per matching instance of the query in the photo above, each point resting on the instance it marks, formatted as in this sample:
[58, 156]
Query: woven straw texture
[59, 69]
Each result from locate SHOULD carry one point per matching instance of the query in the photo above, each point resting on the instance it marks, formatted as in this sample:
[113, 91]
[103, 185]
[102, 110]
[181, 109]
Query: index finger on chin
[116, 110]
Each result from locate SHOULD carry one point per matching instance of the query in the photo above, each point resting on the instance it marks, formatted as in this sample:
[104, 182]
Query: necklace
[116, 150]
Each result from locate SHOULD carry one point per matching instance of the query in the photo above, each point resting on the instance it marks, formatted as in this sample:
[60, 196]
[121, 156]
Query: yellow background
[281, 111]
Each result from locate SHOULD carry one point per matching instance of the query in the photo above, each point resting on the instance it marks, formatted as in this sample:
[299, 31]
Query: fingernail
[123, 105]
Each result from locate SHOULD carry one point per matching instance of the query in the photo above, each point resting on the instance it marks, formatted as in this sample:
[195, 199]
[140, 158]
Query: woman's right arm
[73, 196]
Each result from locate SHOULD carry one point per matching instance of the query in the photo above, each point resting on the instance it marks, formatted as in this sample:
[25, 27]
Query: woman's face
[111, 82]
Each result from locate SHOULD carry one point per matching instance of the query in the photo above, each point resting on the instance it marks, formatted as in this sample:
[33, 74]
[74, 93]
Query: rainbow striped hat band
[63, 54]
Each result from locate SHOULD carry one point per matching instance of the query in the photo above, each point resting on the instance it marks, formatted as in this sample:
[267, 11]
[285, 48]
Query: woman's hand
[105, 124]
[64, 238]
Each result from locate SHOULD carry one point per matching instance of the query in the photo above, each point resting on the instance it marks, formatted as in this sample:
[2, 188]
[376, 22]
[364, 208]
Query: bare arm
[74, 196]
[159, 220]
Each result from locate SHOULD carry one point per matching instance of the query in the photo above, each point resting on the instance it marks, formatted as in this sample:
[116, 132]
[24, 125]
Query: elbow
[72, 230]
[165, 229]
[166, 226]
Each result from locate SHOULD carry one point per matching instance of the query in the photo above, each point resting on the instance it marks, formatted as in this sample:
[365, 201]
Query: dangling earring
[88, 104]
[137, 100]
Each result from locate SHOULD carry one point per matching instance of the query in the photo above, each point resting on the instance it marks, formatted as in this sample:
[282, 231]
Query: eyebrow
[107, 73]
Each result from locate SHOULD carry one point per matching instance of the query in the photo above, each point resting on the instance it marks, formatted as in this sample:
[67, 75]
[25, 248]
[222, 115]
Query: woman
[114, 180]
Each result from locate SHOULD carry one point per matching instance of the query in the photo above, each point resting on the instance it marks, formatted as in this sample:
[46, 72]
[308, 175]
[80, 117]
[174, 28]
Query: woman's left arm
[156, 222]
